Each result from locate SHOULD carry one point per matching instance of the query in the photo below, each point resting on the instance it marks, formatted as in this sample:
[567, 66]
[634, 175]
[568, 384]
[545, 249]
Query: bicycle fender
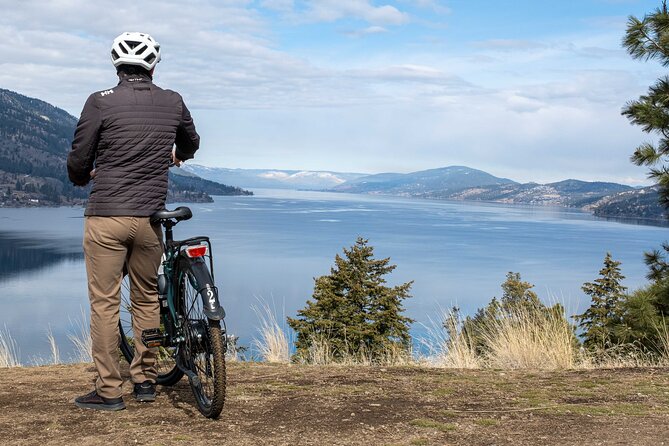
[205, 287]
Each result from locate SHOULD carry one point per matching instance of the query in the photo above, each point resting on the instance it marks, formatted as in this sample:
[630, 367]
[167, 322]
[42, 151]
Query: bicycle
[190, 340]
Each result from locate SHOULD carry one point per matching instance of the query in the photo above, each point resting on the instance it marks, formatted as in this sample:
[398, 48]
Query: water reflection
[20, 254]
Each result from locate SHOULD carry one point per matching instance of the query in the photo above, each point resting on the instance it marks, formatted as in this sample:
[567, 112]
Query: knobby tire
[203, 352]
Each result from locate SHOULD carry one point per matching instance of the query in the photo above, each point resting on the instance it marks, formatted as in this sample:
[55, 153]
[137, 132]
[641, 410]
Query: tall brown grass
[273, 344]
[526, 338]
[55, 352]
[321, 351]
[81, 338]
[448, 345]
[663, 347]
[9, 352]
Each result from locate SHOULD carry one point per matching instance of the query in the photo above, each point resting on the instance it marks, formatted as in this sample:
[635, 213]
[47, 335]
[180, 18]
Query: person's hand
[92, 174]
[177, 162]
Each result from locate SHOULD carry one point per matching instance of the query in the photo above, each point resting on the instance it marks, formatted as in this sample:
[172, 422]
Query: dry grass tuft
[273, 344]
[616, 357]
[9, 352]
[81, 339]
[55, 352]
[322, 352]
[448, 345]
[525, 338]
[663, 335]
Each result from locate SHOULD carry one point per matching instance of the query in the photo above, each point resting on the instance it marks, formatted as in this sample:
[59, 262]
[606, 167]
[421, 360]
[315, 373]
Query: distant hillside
[603, 199]
[640, 204]
[445, 179]
[35, 138]
[570, 193]
[187, 187]
[273, 178]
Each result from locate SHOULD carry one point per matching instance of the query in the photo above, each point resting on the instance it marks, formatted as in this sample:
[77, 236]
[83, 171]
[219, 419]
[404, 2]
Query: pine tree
[353, 309]
[517, 293]
[648, 39]
[604, 316]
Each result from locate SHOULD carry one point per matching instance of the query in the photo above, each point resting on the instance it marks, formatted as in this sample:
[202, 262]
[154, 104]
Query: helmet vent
[132, 44]
[150, 58]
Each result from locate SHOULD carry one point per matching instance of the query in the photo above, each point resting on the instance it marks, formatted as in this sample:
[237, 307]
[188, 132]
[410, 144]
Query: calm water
[269, 247]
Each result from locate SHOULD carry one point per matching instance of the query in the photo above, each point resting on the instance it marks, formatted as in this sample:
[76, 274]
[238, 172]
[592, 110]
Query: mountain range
[610, 200]
[273, 178]
[457, 183]
[422, 182]
[35, 138]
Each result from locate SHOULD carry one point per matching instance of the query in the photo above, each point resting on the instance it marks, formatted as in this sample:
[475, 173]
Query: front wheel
[203, 351]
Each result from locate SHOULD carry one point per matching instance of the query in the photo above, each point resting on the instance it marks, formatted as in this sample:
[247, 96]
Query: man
[124, 143]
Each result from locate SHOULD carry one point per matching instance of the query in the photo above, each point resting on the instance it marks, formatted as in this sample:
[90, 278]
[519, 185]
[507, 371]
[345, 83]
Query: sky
[528, 90]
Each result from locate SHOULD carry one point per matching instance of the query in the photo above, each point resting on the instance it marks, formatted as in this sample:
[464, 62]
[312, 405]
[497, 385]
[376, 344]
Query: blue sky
[528, 90]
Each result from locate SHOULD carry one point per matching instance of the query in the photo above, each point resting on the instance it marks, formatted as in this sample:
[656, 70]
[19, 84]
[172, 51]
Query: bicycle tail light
[196, 251]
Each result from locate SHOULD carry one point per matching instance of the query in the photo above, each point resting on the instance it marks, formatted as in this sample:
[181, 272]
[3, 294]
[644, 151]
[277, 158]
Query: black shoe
[95, 401]
[145, 392]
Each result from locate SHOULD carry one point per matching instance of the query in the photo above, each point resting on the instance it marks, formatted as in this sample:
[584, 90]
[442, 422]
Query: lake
[269, 247]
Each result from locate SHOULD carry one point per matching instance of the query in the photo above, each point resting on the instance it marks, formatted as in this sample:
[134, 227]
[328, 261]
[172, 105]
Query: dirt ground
[305, 405]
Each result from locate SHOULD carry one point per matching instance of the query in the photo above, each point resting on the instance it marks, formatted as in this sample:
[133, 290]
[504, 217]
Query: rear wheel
[203, 351]
[168, 372]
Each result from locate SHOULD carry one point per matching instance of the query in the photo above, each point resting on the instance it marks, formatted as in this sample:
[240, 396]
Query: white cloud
[367, 31]
[279, 5]
[332, 10]
[436, 6]
[509, 45]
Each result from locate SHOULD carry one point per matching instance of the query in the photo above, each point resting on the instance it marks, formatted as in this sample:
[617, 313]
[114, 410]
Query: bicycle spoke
[199, 353]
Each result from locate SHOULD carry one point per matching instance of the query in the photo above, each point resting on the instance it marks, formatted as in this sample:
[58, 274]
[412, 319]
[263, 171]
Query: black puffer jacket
[127, 133]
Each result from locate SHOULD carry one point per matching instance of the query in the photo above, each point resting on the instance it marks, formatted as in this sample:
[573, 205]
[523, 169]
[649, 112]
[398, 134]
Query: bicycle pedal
[153, 337]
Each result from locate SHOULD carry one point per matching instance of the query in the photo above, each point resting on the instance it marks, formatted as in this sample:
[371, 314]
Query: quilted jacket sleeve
[187, 139]
[81, 159]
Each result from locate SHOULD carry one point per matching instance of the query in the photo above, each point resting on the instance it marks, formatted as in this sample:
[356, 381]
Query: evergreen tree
[647, 39]
[353, 308]
[604, 316]
[645, 311]
[517, 293]
[658, 266]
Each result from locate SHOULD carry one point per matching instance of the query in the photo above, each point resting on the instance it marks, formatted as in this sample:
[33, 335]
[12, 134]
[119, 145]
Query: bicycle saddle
[180, 213]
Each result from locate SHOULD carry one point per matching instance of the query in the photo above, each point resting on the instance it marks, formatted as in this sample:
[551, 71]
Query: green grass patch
[486, 422]
[449, 413]
[431, 424]
[535, 397]
[443, 391]
[279, 385]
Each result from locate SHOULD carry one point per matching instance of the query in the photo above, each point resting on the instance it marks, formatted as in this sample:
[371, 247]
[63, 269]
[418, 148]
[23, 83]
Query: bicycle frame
[174, 253]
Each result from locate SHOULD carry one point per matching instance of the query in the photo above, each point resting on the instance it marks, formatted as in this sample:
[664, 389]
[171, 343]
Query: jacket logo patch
[106, 92]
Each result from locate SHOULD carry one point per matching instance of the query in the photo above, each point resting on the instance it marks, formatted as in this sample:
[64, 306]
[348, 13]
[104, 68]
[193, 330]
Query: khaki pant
[110, 243]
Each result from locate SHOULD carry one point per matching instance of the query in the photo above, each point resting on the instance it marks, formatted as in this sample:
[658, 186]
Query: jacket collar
[133, 78]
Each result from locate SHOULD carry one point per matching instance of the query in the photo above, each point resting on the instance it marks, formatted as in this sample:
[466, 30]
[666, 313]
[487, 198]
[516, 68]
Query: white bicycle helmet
[135, 49]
